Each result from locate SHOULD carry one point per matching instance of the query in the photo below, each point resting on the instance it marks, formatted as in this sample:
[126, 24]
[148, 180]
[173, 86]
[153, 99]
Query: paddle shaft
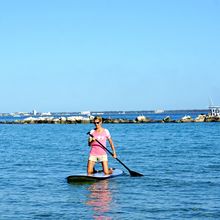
[109, 152]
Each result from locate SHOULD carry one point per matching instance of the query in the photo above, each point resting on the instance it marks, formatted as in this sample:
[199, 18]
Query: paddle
[132, 173]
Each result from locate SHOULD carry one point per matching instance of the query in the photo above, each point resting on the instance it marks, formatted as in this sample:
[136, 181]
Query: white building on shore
[88, 113]
[214, 110]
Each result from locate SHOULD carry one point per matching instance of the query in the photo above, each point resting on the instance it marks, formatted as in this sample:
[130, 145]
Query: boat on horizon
[159, 111]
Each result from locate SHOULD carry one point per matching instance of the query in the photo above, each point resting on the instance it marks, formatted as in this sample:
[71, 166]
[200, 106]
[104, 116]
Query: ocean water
[180, 163]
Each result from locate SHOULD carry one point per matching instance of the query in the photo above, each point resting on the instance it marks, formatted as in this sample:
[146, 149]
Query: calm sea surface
[180, 163]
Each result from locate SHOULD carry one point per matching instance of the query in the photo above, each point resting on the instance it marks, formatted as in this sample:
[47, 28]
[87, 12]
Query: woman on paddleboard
[97, 152]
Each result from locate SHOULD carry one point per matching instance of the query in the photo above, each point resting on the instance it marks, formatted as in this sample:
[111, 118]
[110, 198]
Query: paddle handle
[108, 151]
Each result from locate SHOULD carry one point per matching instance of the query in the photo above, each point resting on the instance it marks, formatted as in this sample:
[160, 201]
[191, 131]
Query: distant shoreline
[77, 119]
[112, 112]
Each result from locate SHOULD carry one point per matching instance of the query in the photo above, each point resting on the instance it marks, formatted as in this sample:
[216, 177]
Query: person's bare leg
[106, 170]
[90, 167]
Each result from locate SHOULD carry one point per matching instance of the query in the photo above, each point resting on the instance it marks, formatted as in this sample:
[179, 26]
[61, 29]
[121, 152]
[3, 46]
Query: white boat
[159, 111]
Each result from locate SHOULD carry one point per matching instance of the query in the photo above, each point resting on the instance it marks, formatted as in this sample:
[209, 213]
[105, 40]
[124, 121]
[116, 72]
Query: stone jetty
[87, 120]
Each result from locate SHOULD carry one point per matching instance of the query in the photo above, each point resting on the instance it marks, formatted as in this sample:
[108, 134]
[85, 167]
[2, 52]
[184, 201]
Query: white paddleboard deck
[99, 175]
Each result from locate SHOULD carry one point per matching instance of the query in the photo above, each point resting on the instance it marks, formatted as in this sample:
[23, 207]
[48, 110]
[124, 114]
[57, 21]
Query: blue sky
[109, 55]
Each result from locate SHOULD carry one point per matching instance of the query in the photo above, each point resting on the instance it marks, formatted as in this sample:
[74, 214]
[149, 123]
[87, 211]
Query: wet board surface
[99, 175]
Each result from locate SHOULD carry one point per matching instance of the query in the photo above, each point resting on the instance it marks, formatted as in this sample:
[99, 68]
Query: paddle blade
[134, 174]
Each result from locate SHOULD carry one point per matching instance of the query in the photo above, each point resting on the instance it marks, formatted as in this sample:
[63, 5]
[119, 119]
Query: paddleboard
[99, 175]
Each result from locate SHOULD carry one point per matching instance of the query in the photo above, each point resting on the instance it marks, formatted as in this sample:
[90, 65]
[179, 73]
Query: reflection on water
[100, 199]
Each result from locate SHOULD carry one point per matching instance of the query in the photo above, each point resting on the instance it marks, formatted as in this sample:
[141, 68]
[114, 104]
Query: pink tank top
[96, 148]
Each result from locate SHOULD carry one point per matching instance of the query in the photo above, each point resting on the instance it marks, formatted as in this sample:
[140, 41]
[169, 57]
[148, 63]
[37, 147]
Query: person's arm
[112, 147]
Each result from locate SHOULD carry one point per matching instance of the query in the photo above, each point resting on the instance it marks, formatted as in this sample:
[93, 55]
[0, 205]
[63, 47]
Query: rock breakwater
[86, 120]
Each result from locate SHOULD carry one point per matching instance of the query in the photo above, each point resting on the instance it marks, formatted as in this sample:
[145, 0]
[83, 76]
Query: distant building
[214, 110]
[45, 114]
[88, 113]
